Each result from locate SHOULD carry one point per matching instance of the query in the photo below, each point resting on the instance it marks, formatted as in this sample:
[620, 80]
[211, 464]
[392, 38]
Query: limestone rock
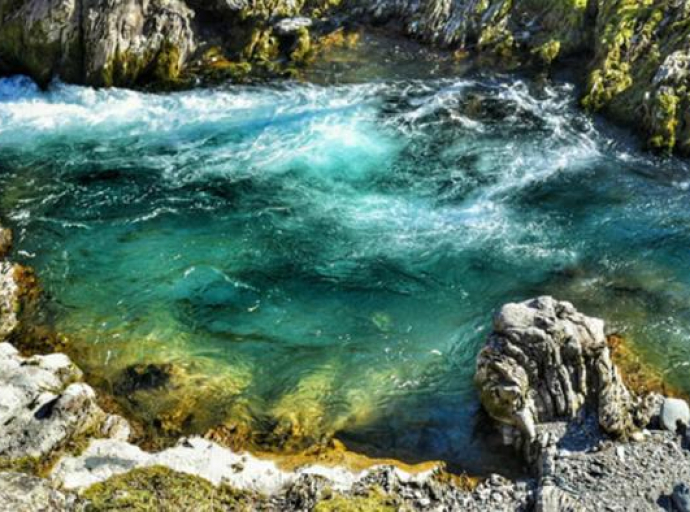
[551, 498]
[25, 493]
[9, 300]
[674, 413]
[543, 361]
[126, 39]
[43, 406]
[98, 42]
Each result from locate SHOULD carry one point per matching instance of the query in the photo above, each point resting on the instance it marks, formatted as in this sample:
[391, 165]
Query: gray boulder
[543, 362]
[98, 42]
[288, 26]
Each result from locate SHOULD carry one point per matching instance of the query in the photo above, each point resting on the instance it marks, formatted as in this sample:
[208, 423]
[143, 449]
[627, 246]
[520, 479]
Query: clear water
[329, 257]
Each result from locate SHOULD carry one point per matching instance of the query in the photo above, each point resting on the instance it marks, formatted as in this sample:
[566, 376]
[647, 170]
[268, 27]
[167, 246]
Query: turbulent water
[326, 259]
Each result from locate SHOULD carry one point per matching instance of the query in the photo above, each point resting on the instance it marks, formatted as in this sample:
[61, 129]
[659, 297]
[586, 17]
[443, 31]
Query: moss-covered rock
[96, 42]
[372, 502]
[159, 488]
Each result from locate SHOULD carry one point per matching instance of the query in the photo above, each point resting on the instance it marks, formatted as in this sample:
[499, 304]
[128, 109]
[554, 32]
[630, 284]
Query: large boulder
[545, 361]
[97, 42]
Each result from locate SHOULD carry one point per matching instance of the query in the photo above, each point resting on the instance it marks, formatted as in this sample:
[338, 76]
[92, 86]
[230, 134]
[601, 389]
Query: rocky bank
[635, 54]
[545, 377]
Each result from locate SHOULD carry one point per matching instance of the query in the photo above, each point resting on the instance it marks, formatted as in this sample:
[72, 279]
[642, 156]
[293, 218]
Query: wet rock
[290, 26]
[98, 42]
[681, 498]
[24, 493]
[675, 414]
[544, 361]
[143, 377]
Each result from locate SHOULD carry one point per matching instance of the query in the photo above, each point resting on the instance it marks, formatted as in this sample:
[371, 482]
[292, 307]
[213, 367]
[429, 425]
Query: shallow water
[327, 258]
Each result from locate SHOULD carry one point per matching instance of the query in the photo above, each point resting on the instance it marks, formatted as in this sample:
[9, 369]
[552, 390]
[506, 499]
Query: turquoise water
[326, 259]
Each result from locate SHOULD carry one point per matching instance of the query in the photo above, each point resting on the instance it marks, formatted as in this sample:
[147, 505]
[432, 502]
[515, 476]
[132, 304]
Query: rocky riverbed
[60, 451]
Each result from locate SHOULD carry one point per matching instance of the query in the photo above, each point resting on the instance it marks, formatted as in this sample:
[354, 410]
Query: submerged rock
[545, 361]
[138, 377]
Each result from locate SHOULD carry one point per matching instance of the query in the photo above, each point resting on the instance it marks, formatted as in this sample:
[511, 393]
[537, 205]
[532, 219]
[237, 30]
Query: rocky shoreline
[636, 71]
[545, 376]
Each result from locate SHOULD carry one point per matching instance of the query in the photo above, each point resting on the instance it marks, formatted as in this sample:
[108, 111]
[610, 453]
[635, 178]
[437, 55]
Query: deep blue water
[330, 256]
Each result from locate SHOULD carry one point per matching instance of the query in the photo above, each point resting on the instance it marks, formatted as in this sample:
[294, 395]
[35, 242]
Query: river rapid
[311, 260]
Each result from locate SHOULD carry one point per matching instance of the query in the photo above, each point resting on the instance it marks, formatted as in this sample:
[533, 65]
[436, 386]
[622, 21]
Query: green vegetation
[160, 489]
[375, 501]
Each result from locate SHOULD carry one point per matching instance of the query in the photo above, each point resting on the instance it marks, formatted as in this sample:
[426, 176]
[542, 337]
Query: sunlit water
[329, 257]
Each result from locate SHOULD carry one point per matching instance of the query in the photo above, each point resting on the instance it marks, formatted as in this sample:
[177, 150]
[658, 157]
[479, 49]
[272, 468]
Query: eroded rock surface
[99, 42]
[26, 493]
[636, 53]
[546, 361]
[44, 406]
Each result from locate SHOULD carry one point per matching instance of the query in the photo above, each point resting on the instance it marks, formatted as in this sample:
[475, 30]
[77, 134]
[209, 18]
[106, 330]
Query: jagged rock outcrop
[639, 54]
[44, 406]
[545, 361]
[97, 42]
[640, 68]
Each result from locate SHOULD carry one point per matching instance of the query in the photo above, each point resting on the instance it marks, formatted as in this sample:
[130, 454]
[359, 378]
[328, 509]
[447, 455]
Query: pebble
[620, 453]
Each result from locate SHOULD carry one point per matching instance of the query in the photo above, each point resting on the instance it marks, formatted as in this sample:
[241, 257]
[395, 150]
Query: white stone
[675, 411]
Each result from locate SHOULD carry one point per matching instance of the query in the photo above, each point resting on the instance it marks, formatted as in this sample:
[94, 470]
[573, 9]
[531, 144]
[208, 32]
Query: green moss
[30, 465]
[302, 51]
[263, 46]
[160, 489]
[621, 22]
[666, 112]
[374, 502]
[548, 52]
[166, 67]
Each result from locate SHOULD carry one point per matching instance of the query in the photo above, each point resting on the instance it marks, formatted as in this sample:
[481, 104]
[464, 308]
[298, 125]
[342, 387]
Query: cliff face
[98, 42]
[639, 49]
